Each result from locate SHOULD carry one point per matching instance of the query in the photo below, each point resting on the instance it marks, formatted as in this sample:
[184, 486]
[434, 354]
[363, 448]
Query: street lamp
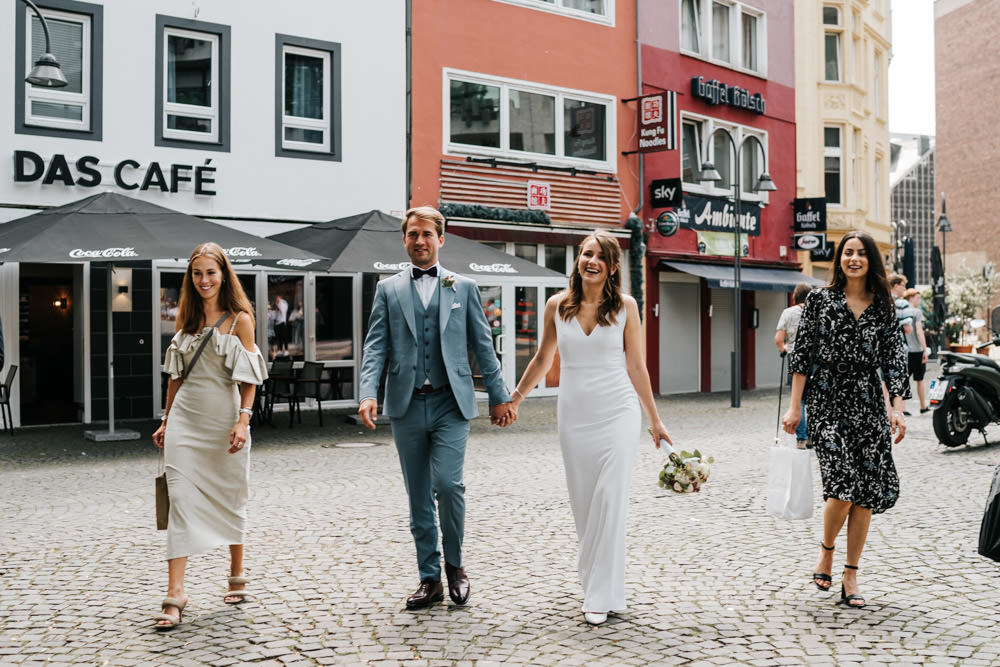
[764, 184]
[898, 242]
[46, 72]
[944, 227]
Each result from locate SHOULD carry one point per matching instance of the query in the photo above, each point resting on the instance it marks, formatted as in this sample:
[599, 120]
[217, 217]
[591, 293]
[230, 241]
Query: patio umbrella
[110, 227]
[372, 242]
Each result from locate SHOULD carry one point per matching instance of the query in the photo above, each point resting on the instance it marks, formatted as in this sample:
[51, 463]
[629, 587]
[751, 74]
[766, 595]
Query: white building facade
[259, 116]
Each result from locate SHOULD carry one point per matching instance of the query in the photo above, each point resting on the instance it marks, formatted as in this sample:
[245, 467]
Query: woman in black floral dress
[847, 333]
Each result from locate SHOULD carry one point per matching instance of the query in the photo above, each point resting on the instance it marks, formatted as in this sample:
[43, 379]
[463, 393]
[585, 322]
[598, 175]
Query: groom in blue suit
[424, 323]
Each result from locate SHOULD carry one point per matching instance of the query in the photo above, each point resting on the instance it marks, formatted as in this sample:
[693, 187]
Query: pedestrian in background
[206, 440]
[848, 332]
[916, 347]
[784, 338]
[897, 286]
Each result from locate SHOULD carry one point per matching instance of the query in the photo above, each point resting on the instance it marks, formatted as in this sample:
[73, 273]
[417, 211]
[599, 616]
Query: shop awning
[751, 278]
[372, 242]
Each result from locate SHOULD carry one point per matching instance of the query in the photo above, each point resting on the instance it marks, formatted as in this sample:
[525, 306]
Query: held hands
[159, 434]
[368, 412]
[238, 437]
[503, 414]
[791, 419]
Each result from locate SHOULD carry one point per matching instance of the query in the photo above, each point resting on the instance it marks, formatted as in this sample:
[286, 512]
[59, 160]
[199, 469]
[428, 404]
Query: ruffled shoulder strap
[235, 320]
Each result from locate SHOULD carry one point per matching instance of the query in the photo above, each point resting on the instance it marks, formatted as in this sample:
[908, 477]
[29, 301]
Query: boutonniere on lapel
[448, 282]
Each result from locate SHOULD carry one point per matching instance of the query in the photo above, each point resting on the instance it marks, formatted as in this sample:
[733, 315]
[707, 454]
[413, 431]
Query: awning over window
[751, 278]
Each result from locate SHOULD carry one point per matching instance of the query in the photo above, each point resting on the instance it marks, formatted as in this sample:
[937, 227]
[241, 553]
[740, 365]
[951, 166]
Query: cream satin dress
[599, 424]
[208, 486]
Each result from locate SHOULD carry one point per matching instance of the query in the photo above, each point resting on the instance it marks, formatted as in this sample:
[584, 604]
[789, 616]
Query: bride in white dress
[603, 380]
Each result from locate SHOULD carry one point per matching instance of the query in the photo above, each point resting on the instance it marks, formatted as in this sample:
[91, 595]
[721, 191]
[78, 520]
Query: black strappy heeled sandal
[849, 599]
[820, 576]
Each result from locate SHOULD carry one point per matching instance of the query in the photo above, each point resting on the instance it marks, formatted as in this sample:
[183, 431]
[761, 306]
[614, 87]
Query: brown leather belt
[427, 389]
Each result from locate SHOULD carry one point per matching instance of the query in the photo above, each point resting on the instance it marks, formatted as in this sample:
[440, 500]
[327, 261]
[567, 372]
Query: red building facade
[731, 68]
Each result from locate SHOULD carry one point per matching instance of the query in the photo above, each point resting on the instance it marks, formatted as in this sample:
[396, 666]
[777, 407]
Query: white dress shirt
[426, 285]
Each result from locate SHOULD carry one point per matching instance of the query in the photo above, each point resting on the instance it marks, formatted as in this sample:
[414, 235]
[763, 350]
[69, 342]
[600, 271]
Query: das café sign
[128, 174]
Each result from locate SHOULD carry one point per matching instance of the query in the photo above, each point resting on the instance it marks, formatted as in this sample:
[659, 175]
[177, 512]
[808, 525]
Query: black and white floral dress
[848, 423]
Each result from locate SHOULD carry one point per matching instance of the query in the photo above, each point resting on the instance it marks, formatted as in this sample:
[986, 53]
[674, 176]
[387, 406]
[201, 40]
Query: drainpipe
[634, 223]
[409, 103]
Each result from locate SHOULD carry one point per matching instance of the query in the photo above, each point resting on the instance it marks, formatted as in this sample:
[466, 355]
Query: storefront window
[527, 251]
[691, 152]
[526, 327]
[555, 258]
[493, 310]
[722, 152]
[285, 335]
[334, 325]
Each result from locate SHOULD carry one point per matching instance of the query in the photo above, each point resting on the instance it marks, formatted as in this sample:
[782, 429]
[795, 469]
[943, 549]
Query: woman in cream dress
[602, 384]
[205, 429]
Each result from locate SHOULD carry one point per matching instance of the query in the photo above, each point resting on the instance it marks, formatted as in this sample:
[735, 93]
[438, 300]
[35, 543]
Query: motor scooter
[966, 396]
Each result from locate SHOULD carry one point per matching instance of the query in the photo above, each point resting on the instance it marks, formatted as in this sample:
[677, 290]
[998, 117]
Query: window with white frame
[691, 151]
[833, 158]
[190, 85]
[709, 135]
[877, 190]
[527, 121]
[735, 37]
[690, 26]
[855, 147]
[307, 94]
[75, 31]
[602, 10]
[832, 45]
[192, 96]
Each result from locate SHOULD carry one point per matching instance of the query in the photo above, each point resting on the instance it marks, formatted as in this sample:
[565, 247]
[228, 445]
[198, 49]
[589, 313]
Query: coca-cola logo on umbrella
[296, 262]
[243, 252]
[83, 253]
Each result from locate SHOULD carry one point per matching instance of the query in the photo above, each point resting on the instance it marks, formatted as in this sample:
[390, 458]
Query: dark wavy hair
[611, 297]
[190, 312]
[876, 281]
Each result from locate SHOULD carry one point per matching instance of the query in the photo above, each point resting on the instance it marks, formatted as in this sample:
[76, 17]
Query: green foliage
[479, 212]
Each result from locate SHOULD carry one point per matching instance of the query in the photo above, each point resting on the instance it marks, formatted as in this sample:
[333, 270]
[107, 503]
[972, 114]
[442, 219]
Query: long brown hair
[876, 281]
[231, 295]
[611, 297]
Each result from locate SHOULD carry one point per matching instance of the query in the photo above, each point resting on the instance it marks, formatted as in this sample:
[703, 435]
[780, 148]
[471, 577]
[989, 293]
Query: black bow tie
[432, 272]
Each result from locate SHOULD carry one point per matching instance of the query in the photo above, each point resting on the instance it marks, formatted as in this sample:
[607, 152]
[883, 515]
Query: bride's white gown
[599, 424]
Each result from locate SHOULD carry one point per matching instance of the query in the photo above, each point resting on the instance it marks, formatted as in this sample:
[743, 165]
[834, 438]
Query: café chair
[308, 385]
[282, 389]
[8, 418]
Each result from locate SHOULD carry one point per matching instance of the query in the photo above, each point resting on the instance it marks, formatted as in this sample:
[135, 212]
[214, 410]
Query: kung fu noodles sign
[717, 214]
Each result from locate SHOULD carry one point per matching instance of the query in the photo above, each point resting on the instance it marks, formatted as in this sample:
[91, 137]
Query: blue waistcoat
[430, 363]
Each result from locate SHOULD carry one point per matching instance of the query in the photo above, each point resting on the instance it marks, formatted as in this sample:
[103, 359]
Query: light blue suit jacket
[392, 340]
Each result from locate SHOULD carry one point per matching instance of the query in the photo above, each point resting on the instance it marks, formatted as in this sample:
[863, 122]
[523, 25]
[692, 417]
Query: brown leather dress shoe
[426, 594]
[459, 588]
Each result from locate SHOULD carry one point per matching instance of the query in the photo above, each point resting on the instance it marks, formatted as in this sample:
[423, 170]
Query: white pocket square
[455, 305]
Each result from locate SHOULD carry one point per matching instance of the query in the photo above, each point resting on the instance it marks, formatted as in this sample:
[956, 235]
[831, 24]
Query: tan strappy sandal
[240, 595]
[172, 621]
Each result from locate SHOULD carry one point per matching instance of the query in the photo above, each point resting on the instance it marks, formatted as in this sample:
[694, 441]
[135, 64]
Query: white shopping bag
[789, 483]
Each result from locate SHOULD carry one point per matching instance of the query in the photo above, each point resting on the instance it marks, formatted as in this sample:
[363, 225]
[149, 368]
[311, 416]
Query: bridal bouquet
[684, 472]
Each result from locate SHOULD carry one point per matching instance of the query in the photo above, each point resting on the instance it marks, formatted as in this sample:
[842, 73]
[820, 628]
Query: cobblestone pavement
[713, 579]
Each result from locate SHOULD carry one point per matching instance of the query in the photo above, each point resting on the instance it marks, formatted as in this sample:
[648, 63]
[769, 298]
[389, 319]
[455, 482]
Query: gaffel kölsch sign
[89, 172]
[716, 92]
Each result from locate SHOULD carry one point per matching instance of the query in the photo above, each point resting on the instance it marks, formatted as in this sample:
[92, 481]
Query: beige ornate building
[842, 52]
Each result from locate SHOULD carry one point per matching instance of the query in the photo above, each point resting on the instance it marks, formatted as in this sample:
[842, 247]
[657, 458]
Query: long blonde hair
[231, 294]
[611, 297]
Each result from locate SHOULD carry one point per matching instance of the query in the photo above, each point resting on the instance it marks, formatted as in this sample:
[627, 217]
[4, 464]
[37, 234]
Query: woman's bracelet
[518, 392]
[246, 411]
[164, 417]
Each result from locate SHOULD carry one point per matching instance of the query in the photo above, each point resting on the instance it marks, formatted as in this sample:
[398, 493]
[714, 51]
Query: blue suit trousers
[430, 440]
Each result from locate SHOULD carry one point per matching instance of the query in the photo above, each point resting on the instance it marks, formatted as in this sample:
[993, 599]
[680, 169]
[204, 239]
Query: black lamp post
[46, 72]
[764, 184]
[944, 227]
